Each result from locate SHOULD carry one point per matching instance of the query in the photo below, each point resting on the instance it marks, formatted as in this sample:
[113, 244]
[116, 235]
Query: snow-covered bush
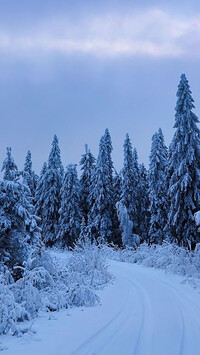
[82, 271]
[168, 257]
[36, 280]
[27, 295]
[81, 295]
[41, 258]
[56, 297]
[88, 265]
[41, 281]
[10, 311]
[68, 279]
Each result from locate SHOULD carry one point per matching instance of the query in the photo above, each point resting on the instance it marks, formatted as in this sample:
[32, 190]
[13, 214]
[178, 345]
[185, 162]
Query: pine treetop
[28, 163]
[9, 167]
[54, 160]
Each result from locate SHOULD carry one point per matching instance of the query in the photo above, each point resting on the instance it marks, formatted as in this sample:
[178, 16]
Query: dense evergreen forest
[127, 208]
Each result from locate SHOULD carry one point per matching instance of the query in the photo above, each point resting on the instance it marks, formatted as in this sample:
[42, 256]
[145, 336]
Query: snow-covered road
[144, 312]
[151, 314]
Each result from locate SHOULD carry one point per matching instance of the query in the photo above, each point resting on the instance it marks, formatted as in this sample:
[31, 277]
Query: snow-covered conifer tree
[117, 186]
[29, 176]
[136, 197]
[102, 213]
[158, 188]
[116, 235]
[39, 193]
[83, 230]
[184, 185]
[126, 225]
[130, 183]
[109, 148]
[144, 214]
[70, 216]
[18, 225]
[9, 167]
[128, 178]
[87, 163]
[51, 195]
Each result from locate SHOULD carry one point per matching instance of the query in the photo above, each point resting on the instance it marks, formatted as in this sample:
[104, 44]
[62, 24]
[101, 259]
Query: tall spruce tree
[29, 176]
[184, 165]
[130, 184]
[9, 168]
[39, 194]
[116, 234]
[103, 211]
[87, 164]
[158, 188]
[128, 178]
[117, 186]
[109, 148]
[137, 196]
[51, 195]
[70, 216]
[18, 225]
[144, 214]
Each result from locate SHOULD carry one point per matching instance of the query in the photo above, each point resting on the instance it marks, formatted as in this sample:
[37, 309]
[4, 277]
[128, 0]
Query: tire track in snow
[170, 305]
[187, 304]
[190, 311]
[154, 320]
[144, 312]
[180, 322]
[146, 343]
[176, 295]
[102, 341]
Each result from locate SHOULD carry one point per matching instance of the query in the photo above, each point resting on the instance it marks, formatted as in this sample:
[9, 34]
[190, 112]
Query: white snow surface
[143, 312]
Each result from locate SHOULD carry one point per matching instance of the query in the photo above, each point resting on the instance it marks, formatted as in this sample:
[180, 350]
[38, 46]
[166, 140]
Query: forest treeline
[127, 208]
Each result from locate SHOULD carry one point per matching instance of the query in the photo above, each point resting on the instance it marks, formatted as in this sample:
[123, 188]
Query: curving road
[150, 314]
[144, 312]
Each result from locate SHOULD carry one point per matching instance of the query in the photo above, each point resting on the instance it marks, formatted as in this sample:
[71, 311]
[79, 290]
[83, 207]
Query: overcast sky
[75, 68]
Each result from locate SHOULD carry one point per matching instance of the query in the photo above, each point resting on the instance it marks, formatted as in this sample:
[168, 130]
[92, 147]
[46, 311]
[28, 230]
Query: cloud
[152, 33]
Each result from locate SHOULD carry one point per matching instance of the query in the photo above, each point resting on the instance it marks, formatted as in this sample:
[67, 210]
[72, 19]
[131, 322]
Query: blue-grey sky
[75, 68]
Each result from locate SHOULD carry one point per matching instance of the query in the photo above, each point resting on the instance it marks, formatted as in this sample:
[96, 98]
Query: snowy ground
[143, 312]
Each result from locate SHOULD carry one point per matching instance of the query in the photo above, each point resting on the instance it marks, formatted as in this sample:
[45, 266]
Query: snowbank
[168, 257]
[51, 281]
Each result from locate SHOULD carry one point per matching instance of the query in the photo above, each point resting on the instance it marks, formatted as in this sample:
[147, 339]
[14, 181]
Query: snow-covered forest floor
[140, 311]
